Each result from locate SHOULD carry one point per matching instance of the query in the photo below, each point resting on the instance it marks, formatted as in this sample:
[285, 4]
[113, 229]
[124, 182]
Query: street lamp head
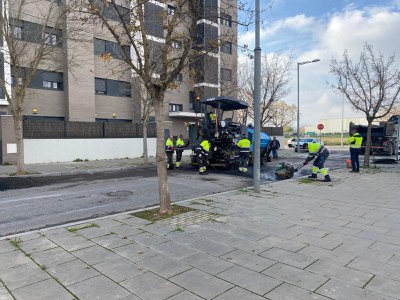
[308, 62]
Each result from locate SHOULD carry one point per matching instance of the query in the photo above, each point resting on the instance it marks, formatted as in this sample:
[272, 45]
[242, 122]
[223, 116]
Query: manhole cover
[119, 194]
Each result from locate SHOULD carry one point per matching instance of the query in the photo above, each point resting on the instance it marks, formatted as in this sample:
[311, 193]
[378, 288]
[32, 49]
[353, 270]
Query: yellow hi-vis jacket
[180, 143]
[244, 145]
[205, 145]
[169, 145]
[355, 141]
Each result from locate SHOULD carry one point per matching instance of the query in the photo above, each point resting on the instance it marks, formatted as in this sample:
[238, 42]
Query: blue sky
[324, 29]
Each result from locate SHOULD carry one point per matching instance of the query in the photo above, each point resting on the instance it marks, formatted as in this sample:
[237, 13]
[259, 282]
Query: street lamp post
[298, 96]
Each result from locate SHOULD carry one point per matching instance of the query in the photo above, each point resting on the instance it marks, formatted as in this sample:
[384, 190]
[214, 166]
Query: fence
[44, 129]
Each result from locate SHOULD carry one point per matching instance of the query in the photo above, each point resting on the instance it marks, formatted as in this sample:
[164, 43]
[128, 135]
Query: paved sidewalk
[298, 239]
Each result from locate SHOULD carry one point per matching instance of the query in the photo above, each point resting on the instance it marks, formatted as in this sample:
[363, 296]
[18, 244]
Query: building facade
[91, 88]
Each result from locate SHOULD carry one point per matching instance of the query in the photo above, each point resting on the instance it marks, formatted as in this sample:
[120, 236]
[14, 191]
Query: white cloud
[350, 29]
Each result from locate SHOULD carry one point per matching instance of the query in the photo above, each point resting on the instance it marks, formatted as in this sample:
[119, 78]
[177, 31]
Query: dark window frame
[226, 20]
[226, 47]
[175, 107]
[226, 74]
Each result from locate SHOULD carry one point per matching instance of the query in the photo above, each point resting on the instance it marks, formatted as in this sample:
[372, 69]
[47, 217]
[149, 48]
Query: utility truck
[219, 124]
[384, 136]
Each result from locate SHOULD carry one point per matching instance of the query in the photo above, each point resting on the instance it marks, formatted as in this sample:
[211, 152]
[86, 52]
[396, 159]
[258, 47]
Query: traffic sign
[320, 126]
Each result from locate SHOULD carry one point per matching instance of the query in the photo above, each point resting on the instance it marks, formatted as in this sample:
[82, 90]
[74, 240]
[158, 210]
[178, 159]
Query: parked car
[291, 143]
[304, 143]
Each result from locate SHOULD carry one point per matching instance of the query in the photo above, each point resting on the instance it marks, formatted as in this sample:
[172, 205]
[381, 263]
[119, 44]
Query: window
[176, 45]
[47, 84]
[226, 20]
[52, 85]
[171, 10]
[17, 32]
[100, 86]
[102, 46]
[226, 47]
[50, 39]
[226, 74]
[13, 80]
[111, 87]
[175, 107]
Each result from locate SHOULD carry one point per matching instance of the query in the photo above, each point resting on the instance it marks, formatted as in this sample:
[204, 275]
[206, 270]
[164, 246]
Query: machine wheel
[391, 149]
[305, 146]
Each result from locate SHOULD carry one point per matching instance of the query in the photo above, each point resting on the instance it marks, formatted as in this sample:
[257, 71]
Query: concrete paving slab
[107, 223]
[98, 287]
[92, 232]
[376, 268]
[185, 295]
[111, 241]
[135, 252]
[119, 269]
[4, 294]
[52, 257]
[37, 245]
[201, 284]
[238, 293]
[125, 230]
[23, 275]
[340, 258]
[287, 257]
[174, 250]
[71, 243]
[289, 292]
[12, 259]
[248, 260]
[72, 272]
[274, 241]
[47, 289]
[95, 254]
[295, 276]
[349, 276]
[135, 221]
[147, 239]
[5, 246]
[384, 286]
[164, 266]
[211, 247]
[149, 286]
[250, 280]
[207, 263]
[339, 290]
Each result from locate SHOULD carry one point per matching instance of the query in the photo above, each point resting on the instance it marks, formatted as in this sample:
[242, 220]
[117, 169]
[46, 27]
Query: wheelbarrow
[285, 170]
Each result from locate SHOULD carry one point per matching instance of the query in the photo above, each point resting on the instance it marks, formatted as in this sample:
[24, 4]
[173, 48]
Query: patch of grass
[15, 242]
[75, 229]
[306, 180]
[178, 229]
[153, 215]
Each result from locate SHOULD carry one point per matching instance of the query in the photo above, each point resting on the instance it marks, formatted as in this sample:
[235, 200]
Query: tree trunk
[20, 146]
[163, 188]
[145, 152]
[368, 145]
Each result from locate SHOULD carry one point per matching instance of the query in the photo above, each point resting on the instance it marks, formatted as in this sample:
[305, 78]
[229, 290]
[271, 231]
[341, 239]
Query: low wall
[64, 150]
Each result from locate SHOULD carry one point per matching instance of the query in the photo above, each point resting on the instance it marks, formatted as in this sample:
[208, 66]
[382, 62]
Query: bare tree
[275, 78]
[282, 114]
[32, 41]
[371, 85]
[156, 61]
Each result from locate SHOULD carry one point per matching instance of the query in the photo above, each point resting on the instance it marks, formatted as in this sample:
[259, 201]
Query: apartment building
[89, 88]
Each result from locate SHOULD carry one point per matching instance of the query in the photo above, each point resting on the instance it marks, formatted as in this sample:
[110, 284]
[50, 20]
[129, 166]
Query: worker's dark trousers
[355, 162]
[243, 159]
[178, 155]
[170, 162]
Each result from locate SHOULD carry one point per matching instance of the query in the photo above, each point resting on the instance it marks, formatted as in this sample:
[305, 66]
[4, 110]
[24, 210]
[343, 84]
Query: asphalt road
[37, 202]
